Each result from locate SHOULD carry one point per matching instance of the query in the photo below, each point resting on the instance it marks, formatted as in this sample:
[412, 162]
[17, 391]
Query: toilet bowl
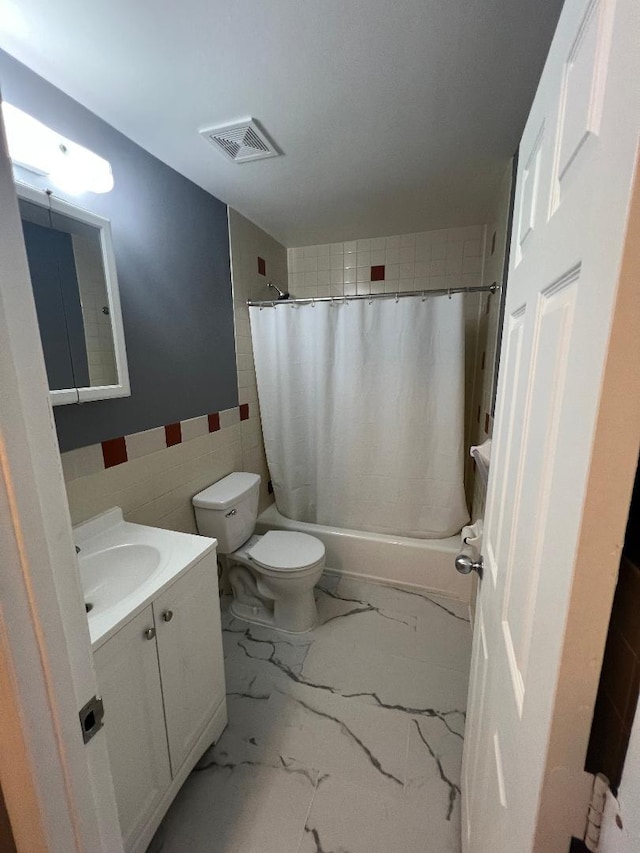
[272, 576]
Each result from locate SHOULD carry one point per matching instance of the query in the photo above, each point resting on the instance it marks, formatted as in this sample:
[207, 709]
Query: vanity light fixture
[37, 148]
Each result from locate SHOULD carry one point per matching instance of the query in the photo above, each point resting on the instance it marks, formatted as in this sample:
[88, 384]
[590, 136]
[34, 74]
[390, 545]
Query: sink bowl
[110, 575]
[124, 566]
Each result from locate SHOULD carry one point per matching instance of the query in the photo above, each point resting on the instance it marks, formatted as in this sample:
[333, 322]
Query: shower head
[281, 295]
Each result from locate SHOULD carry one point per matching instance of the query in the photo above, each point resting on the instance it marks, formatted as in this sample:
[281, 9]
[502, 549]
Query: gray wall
[172, 254]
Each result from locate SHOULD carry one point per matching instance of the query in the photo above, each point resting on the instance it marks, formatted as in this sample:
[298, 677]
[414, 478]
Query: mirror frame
[64, 396]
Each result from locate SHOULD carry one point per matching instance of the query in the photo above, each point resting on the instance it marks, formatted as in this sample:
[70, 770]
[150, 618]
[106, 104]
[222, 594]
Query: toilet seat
[283, 551]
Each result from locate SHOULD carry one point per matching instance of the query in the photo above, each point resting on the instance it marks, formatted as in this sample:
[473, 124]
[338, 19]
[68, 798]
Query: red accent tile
[173, 434]
[114, 451]
[214, 422]
[244, 412]
[262, 266]
[377, 273]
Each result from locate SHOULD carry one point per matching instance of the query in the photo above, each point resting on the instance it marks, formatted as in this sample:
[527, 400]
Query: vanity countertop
[124, 566]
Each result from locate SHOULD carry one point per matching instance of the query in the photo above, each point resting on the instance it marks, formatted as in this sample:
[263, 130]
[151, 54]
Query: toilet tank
[228, 509]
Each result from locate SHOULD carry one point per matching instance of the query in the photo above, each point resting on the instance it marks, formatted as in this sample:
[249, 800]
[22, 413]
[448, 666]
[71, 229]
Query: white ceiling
[394, 115]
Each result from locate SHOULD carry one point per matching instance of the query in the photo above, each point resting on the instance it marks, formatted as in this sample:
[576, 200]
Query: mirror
[74, 282]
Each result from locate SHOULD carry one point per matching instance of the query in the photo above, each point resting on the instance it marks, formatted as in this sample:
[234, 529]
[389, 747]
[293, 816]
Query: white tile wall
[149, 441]
[97, 324]
[194, 428]
[426, 261]
[155, 488]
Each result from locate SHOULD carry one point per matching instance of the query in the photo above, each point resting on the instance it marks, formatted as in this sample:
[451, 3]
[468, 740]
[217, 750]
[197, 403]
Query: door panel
[546, 382]
[475, 729]
[572, 192]
[582, 93]
[501, 495]
[529, 197]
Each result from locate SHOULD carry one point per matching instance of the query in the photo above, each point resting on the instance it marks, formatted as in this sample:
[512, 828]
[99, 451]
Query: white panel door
[524, 788]
[187, 617]
[129, 680]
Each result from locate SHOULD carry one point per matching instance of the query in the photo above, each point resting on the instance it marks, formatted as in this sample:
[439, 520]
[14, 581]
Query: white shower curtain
[362, 409]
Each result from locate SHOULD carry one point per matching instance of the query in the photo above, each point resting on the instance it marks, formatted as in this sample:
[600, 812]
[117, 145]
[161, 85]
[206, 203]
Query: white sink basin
[123, 566]
[110, 575]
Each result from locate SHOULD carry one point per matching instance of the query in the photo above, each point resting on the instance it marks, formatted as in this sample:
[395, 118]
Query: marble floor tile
[412, 601]
[241, 808]
[392, 682]
[432, 637]
[345, 818]
[336, 660]
[345, 739]
[432, 780]
[401, 622]
[319, 730]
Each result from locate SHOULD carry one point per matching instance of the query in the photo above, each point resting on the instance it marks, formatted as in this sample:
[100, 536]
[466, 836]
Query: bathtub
[426, 564]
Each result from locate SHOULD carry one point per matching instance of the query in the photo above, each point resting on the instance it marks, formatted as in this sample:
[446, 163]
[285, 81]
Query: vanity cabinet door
[187, 617]
[129, 682]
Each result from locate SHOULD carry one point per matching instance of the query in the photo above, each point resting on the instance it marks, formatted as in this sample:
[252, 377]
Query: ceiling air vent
[241, 141]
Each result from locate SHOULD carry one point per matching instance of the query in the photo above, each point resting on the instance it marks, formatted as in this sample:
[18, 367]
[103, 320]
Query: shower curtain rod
[311, 300]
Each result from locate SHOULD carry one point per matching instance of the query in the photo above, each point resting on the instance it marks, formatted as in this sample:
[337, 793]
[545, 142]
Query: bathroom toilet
[272, 576]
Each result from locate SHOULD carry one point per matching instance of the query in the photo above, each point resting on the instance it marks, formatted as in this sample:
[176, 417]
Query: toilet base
[247, 613]
[274, 603]
[254, 613]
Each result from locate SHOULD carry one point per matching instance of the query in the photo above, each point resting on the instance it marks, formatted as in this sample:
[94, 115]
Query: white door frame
[58, 792]
[623, 835]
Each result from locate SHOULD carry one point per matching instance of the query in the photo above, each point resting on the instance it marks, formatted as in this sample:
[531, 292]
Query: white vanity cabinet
[129, 682]
[161, 678]
[187, 618]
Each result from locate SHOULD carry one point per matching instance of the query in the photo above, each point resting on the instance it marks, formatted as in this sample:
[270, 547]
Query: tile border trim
[114, 451]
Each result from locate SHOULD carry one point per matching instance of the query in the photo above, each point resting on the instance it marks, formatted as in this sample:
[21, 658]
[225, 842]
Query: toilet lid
[286, 551]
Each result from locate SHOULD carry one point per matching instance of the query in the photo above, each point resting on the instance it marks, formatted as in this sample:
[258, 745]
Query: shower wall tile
[429, 260]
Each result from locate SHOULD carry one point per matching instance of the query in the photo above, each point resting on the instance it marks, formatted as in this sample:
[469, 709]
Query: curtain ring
[449, 289]
[424, 296]
[313, 302]
[397, 298]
